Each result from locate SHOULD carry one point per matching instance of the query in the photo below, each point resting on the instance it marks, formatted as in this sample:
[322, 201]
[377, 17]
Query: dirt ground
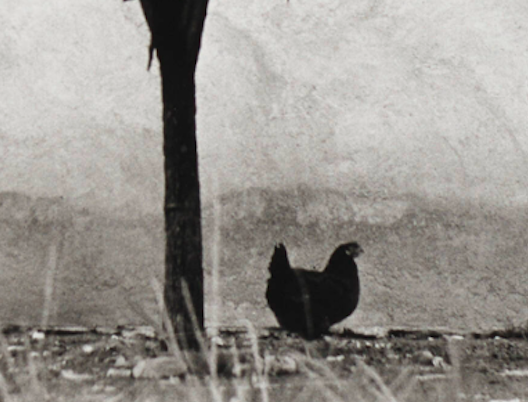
[75, 363]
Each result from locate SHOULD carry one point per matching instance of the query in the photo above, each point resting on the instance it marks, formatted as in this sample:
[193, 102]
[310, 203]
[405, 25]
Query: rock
[121, 361]
[77, 377]
[151, 344]
[119, 372]
[431, 377]
[34, 354]
[144, 331]
[16, 348]
[514, 373]
[280, 365]
[423, 357]
[38, 335]
[218, 341]
[391, 355]
[439, 362]
[338, 358]
[170, 382]
[159, 367]
[69, 330]
[105, 331]
[505, 400]
[377, 332]
[101, 388]
[88, 349]
[264, 333]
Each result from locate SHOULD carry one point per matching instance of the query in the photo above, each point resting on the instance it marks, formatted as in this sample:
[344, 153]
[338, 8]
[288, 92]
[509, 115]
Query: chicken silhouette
[310, 302]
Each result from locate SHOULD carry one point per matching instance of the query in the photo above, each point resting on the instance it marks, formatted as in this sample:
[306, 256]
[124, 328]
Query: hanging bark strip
[176, 27]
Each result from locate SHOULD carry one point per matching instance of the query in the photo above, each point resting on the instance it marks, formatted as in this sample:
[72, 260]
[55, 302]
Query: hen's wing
[331, 298]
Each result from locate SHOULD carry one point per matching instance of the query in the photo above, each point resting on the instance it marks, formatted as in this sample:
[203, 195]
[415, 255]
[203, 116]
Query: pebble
[505, 400]
[338, 358]
[439, 362]
[423, 357]
[391, 355]
[16, 348]
[431, 377]
[88, 349]
[121, 361]
[455, 338]
[151, 344]
[515, 373]
[218, 341]
[100, 388]
[169, 382]
[145, 331]
[118, 372]
[264, 333]
[70, 329]
[279, 365]
[105, 331]
[77, 377]
[38, 335]
[159, 367]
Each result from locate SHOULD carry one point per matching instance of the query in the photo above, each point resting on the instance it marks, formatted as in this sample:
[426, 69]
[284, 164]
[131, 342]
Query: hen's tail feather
[279, 261]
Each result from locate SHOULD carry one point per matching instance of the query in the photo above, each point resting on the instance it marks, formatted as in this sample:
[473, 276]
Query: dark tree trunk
[176, 27]
[183, 259]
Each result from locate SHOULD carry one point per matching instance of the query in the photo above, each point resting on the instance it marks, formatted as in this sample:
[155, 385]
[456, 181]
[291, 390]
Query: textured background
[400, 125]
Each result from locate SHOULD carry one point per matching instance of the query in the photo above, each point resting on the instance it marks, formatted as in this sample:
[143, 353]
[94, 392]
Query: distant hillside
[100, 260]
[433, 264]
[426, 264]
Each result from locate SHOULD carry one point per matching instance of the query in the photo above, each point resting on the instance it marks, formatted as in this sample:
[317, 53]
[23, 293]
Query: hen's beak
[357, 251]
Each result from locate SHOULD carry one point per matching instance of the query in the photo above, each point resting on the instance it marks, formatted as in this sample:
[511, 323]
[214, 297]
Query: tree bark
[176, 27]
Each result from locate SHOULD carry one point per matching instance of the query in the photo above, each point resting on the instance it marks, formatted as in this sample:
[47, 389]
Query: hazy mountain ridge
[98, 259]
[434, 263]
[426, 264]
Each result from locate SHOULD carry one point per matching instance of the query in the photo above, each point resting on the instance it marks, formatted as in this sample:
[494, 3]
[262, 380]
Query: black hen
[309, 302]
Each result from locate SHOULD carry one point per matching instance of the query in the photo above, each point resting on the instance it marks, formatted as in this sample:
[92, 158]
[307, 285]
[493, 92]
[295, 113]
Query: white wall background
[398, 97]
